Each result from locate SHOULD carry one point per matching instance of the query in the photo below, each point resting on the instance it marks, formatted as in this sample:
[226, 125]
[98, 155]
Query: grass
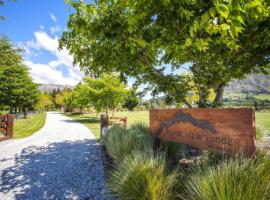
[262, 97]
[263, 120]
[120, 141]
[239, 178]
[92, 122]
[143, 176]
[26, 127]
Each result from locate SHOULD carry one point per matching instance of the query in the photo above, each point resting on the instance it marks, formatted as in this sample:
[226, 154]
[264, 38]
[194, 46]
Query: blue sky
[36, 26]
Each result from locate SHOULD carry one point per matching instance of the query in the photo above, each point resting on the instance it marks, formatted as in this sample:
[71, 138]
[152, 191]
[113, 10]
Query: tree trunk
[24, 113]
[113, 112]
[187, 103]
[203, 100]
[219, 96]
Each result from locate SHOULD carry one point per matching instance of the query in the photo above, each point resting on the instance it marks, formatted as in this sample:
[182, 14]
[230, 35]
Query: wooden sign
[224, 130]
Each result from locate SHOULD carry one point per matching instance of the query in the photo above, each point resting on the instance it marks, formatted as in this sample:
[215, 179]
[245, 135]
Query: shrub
[239, 178]
[143, 176]
[120, 142]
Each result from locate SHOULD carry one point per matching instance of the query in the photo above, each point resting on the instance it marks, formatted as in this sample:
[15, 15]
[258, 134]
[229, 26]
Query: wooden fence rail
[106, 121]
[6, 126]
[18, 116]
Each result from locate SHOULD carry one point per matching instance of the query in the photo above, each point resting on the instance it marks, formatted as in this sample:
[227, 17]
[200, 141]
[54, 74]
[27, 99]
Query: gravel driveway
[61, 161]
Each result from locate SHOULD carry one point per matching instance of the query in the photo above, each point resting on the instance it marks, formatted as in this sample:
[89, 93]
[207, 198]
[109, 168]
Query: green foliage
[106, 92]
[221, 40]
[131, 100]
[143, 176]
[17, 90]
[44, 102]
[239, 178]
[120, 142]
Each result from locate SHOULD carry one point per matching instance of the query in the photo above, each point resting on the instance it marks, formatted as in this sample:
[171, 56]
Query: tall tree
[17, 90]
[221, 39]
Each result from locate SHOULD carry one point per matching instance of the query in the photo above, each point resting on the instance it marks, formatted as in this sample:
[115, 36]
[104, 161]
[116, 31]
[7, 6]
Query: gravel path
[61, 161]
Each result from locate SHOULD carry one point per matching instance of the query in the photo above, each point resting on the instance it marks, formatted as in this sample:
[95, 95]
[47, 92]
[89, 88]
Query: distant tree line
[103, 94]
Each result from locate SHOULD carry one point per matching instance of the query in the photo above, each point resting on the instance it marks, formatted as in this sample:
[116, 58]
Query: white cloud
[43, 73]
[55, 29]
[24, 47]
[51, 72]
[53, 17]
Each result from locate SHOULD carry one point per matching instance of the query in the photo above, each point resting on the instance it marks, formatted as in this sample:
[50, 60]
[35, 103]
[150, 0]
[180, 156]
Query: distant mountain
[257, 84]
[51, 87]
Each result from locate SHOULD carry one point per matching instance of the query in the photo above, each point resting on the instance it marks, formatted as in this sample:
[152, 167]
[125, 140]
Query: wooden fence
[106, 121]
[6, 127]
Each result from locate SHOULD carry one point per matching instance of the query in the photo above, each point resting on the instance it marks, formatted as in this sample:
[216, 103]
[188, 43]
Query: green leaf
[223, 10]
[205, 19]
[224, 27]
[212, 12]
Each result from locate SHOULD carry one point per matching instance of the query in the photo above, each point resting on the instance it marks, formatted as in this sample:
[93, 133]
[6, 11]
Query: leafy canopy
[221, 39]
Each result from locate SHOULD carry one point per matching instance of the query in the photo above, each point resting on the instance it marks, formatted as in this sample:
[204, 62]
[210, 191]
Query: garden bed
[134, 171]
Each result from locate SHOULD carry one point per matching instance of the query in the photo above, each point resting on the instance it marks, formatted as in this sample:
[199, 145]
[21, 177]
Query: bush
[120, 142]
[143, 176]
[239, 178]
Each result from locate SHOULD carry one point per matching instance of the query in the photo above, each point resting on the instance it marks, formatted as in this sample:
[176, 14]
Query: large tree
[17, 90]
[106, 92]
[220, 39]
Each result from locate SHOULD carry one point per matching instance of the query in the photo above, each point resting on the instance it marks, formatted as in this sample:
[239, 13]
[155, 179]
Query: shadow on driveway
[66, 170]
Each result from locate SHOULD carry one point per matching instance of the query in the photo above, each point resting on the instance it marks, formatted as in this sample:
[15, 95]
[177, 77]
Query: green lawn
[26, 127]
[92, 122]
[263, 97]
[263, 120]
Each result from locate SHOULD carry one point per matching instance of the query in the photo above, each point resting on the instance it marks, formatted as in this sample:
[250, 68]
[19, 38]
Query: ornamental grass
[143, 176]
[235, 179]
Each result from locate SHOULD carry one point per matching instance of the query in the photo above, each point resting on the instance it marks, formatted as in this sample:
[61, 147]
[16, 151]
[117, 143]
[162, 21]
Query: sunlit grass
[93, 122]
[263, 120]
[26, 127]
[262, 97]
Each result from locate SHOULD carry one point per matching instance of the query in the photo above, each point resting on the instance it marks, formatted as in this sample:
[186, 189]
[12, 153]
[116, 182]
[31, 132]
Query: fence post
[104, 122]
[10, 125]
[126, 122]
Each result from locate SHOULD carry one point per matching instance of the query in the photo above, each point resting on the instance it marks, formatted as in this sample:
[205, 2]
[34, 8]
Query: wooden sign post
[106, 121]
[224, 130]
[6, 126]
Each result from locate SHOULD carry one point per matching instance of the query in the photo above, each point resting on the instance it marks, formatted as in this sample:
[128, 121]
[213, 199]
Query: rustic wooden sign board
[224, 130]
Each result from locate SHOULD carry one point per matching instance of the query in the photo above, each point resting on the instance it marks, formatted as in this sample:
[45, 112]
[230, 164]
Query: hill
[51, 87]
[256, 84]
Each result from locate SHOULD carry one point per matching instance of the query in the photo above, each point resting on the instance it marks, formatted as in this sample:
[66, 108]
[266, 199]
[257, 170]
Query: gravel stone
[61, 161]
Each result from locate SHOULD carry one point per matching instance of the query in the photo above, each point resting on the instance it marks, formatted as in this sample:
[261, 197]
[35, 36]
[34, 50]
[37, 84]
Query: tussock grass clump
[120, 142]
[238, 178]
[143, 176]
